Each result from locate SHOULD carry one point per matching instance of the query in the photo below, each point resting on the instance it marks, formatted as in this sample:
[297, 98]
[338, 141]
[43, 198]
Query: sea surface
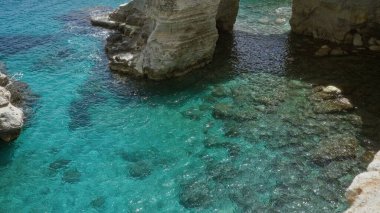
[236, 136]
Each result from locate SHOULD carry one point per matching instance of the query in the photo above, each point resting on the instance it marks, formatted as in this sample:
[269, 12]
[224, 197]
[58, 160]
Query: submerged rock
[98, 202]
[71, 176]
[222, 171]
[335, 148]
[140, 169]
[195, 195]
[59, 164]
[193, 114]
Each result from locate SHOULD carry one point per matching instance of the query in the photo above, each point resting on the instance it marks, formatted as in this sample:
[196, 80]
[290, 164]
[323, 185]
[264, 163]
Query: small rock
[192, 114]
[372, 41]
[332, 90]
[338, 52]
[323, 51]
[264, 20]
[374, 47]
[59, 164]
[358, 41]
[280, 21]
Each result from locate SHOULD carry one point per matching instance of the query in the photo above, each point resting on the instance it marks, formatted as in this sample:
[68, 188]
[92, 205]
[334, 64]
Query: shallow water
[101, 142]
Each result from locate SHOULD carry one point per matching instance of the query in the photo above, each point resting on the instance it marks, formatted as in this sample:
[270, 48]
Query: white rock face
[364, 192]
[336, 20]
[166, 38]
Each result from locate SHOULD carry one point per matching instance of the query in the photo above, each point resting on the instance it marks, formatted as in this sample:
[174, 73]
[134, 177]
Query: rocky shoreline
[364, 191]
[11, 114]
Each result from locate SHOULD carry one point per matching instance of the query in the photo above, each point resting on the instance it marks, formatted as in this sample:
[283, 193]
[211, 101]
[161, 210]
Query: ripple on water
[240, 135]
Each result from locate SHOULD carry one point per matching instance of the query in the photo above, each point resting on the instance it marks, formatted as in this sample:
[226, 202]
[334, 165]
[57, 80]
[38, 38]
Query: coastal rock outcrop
[339, 21]
[11, 117]
[364, 192]
[159, 39]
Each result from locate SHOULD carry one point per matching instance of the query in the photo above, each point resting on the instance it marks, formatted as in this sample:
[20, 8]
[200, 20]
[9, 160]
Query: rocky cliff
[341, 21]
[11, 117]
[160, 39]
[364, 192]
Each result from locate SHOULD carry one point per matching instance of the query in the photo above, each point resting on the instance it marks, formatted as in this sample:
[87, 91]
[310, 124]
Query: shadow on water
[10, 45]
[357, 74]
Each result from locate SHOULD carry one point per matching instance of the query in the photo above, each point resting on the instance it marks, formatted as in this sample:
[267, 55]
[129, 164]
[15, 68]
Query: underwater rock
[192, 114]
[164, 39]
[334, 106]
[140, 169]
[232, 132]
[195, 194]
[245, 197]
[71, 176]
[136, 156]
[220, 172]
[335, 148]
[213, 142]
[227, 111]
[220, 91]
[337, 169]
[59, 164]
[98, 202]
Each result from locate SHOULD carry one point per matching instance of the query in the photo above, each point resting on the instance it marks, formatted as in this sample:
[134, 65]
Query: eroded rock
[364, 191]
[163, 39]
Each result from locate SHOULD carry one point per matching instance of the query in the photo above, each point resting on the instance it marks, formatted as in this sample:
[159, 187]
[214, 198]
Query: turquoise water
[100, 142]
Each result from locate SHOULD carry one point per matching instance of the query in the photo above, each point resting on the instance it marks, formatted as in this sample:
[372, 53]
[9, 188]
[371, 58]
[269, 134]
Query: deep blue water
[100, 142]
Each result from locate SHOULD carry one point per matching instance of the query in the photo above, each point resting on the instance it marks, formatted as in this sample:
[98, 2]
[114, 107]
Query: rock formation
[364, 192]
[11, 117]
[341, 21]
[160, 39]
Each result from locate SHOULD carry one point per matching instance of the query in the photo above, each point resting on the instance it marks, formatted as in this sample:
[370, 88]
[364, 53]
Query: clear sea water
[101, 142]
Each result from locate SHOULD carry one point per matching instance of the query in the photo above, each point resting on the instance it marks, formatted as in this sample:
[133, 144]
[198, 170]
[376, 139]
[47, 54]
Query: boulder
[364, 192]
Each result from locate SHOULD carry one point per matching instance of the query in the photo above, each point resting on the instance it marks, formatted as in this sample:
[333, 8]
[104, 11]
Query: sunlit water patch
[249, 132]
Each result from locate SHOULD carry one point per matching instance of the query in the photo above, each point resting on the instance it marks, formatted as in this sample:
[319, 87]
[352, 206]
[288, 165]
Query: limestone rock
[364, 192]
[160, 39]
[11, 117]
[335, 20]
[358, 41]
[227, 13]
